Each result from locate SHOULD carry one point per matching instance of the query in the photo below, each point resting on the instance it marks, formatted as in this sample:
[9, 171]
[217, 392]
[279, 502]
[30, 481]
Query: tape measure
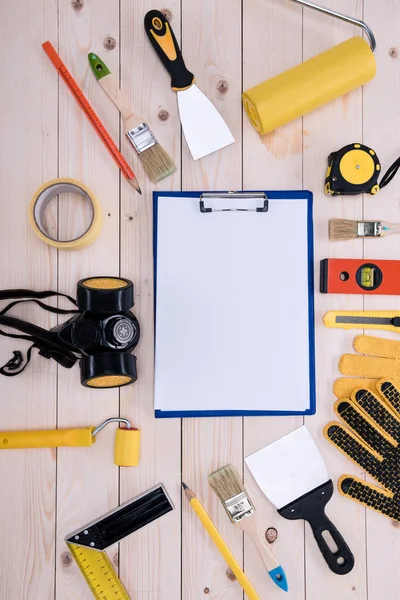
[40, 201]
[355, 169]
[355, 276]
[88, 544]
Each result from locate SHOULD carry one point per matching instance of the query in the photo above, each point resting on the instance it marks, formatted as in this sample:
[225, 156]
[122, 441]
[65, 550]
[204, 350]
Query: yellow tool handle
[363, 319]
[224, 550]
[47, 438]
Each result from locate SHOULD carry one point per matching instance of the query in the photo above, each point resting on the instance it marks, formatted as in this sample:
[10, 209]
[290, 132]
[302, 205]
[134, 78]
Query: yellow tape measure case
[354, 169]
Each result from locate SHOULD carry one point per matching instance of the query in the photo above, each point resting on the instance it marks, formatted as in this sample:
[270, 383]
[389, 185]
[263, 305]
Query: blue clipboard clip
[237, 196]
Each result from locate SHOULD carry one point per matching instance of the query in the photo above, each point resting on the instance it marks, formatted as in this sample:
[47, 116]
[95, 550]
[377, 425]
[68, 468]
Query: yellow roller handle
[48, 438]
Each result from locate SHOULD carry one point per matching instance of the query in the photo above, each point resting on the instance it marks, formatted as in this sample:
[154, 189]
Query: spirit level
[357, 276]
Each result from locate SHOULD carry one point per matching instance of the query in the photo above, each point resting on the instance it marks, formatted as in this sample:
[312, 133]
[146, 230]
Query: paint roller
[314, 82]
[126, 447]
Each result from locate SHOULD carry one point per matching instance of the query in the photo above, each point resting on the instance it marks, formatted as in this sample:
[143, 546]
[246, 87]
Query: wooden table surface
[45, 494]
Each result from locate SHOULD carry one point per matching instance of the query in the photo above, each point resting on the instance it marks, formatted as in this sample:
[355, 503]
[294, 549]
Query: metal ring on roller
[40, 201]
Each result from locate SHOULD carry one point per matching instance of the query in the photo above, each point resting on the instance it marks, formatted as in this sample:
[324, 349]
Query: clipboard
[234, 304]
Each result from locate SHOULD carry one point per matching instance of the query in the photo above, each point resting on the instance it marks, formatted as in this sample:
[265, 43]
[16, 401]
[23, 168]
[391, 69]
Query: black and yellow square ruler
[89, 543]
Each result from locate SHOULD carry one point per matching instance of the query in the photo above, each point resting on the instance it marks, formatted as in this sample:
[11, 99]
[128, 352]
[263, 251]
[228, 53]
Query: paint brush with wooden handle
[227, 485]
[156, 162]
[345, 229]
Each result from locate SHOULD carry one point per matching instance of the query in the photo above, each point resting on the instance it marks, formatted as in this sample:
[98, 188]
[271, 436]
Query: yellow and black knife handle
[163, 40]
[46, 438]
[388, 320]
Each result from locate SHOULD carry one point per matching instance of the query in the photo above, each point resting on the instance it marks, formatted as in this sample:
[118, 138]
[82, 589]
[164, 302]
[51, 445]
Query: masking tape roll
[127, 447]
[309, 85]
[40, 201]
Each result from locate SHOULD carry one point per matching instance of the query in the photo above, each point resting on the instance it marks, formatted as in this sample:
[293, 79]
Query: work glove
[371, 438]
[382, 360]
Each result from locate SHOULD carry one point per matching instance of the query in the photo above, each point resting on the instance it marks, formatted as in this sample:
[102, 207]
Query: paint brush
[345, 229]
[156, 162]
[228, 486]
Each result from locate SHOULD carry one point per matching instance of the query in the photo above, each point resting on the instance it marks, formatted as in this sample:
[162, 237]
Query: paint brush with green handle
[156, 162]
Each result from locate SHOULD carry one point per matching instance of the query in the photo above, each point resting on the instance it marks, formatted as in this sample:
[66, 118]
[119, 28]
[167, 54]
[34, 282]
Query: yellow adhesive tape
[40, 201]
[127, 447]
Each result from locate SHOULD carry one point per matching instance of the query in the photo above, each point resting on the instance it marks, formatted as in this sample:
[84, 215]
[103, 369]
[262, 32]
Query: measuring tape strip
[99, 573]
[40, 201]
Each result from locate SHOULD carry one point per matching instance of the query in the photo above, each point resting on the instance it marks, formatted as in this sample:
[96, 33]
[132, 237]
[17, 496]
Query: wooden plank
[87, 477]
[212, 51]
[150, 558]
[330, 128]
[29, 157]
[381, 120]
[272, 39]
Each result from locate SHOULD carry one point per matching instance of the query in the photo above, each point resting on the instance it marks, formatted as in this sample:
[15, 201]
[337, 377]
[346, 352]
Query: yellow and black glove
[377, 358]
[372, 441]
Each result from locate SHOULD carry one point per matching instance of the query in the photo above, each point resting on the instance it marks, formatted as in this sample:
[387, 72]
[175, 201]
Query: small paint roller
[126, 448]
[314, 82]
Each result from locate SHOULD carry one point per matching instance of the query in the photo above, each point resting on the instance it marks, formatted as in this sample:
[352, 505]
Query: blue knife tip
[279, 577]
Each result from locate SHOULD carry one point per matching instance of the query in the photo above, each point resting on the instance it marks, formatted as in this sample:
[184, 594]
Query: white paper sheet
[232, 307]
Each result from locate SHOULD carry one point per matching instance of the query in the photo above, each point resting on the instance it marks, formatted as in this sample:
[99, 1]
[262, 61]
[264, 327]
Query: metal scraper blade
[288, 468]
[204, 128]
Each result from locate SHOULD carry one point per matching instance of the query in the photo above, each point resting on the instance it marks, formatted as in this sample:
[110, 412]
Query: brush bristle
[156, 163]
[342, 229]
[226, 483]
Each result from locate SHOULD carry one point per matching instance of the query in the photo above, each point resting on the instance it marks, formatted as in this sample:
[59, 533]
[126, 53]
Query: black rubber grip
[163, 40]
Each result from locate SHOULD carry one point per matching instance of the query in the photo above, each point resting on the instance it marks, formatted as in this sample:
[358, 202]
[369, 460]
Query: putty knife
[292, 474]
[204, 128]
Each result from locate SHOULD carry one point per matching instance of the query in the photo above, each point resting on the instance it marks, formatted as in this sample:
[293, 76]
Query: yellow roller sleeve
[48, 438]
[309, 85]
[127, 447]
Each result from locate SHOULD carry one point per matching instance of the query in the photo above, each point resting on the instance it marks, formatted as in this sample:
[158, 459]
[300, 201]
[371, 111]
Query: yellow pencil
[219, 542]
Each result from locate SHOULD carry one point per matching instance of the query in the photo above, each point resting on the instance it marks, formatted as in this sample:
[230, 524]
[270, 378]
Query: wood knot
[77, 4]
[230, 574]
[163, 114]
[66, 558]
[115, 560]
[167, 13]
[109, 43]
[393, 52]
[222, 86]
[353, 588]
[206, 590]
[271, 534]
[396, 524]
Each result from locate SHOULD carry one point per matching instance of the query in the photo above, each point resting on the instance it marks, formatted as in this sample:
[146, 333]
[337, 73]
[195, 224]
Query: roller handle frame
[163, 40]
[311, 508]
[357, 22]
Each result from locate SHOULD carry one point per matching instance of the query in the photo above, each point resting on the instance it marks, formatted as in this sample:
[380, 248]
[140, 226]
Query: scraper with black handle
[292, 474]
[204, 128]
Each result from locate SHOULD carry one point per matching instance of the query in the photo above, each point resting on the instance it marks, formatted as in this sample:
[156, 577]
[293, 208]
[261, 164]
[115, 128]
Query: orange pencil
[91, 115]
